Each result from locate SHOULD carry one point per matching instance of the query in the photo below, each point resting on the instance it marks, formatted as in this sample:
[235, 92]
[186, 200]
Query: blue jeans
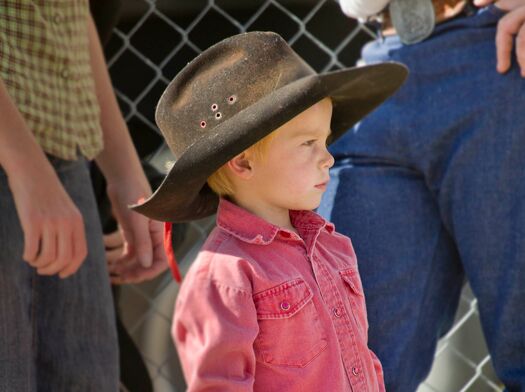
[431, 189]
[56, 335]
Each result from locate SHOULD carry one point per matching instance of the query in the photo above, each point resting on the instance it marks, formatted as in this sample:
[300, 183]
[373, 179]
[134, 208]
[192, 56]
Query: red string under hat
[172, 261]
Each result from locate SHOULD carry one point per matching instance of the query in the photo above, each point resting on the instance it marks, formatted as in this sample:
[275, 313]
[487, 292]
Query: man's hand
[134, 226]
[114, 245]
[140, 255]
[511, 29]
[124, 268]
[54, 238]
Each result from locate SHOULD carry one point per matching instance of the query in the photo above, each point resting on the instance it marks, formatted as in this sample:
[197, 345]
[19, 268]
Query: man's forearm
[119, 159]
[362, 9]
[18, 146]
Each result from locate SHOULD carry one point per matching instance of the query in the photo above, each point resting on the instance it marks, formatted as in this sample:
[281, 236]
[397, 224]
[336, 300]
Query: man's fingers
[47, 261]
[31, 243]
[48, 248]
[125, 263]
[79, 250]
[125, 259]
[520, 49]
[114, 255]
[113, 240]
[134, 272]
[508, 26]
[504, 44]
[157, 240]
[114, 244]
[141, 242]
[64, 247]
[50, 269]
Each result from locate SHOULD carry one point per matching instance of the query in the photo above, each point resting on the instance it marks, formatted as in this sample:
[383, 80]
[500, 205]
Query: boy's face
[294, 171]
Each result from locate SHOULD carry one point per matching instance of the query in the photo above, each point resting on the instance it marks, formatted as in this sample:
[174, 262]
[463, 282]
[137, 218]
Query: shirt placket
[343, 322]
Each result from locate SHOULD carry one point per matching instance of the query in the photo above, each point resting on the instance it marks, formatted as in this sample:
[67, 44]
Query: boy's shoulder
[342, 245]
[338, 245]
[224, 260]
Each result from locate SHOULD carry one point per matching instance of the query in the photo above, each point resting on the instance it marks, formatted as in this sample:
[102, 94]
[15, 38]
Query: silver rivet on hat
[214, 107]
[218, 115]
[203, 124]
[232, 99]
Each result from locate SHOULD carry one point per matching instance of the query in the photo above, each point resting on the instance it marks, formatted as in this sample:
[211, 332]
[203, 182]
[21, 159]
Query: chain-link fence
[153, 41]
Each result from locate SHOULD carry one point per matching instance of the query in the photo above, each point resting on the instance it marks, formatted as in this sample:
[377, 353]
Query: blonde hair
[220, 181]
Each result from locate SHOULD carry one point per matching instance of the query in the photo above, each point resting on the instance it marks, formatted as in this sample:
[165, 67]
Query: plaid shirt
[45, 64]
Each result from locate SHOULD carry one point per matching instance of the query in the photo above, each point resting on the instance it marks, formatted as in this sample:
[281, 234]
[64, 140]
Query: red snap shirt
[265, 309]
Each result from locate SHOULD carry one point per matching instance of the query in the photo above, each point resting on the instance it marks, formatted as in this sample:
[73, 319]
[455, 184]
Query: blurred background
[150, 43]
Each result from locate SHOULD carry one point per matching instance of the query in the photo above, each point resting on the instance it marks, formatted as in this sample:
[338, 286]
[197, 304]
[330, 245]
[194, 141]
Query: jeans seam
[34, 338]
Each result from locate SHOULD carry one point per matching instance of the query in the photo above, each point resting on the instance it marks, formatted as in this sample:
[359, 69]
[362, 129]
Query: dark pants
[56, 335]
[431, 189]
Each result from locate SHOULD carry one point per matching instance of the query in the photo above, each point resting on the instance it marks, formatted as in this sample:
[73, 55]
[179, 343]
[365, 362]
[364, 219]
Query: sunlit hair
[220, 181]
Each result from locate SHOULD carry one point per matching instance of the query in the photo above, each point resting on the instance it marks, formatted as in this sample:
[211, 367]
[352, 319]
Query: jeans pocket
[290, 332]
[356, 298]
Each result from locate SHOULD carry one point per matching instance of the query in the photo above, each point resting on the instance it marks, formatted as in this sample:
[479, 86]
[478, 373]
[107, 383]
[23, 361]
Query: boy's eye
[309, 142]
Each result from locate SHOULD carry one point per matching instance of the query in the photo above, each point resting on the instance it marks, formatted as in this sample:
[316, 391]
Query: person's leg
[407, 261]
[444, 121]
[485, 206]
[76, 341]
[478, 179]
[16, 311]
[483, 201]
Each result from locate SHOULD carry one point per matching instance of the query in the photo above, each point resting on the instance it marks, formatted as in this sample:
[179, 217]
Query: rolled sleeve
[214, 333]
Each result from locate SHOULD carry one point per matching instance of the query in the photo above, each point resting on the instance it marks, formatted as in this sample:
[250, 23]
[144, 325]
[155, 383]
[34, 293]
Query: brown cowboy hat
[235, 93]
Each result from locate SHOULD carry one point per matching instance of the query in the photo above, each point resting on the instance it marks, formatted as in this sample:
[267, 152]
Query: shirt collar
[255, 230]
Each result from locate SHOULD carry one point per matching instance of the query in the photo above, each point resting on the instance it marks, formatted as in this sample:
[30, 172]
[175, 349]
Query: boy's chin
[307, 206]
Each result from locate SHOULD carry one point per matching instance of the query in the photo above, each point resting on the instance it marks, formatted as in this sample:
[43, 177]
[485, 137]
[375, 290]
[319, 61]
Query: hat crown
[221, 82]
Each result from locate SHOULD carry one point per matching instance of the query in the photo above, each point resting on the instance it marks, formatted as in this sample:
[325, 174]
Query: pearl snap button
[337, 312]
[285, 305]
[355, 371]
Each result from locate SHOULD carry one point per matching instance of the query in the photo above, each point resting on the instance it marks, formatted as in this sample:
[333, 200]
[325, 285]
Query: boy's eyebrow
[306, 132]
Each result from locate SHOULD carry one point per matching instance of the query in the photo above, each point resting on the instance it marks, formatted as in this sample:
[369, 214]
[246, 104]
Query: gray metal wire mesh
[153, 41]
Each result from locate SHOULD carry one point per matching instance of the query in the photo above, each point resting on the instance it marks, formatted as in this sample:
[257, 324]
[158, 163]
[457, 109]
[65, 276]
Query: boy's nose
[328, 160]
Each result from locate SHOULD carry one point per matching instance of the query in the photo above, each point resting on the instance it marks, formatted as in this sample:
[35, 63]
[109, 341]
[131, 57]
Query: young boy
[274, 301]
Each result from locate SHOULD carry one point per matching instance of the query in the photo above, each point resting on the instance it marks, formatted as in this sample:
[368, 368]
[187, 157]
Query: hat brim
[355, 92]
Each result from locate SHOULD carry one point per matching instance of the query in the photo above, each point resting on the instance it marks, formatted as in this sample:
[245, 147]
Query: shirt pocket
[356, 297]
[290, 331]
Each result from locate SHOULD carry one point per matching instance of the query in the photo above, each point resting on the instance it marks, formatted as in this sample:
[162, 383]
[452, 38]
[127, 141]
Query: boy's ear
[241, 166]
